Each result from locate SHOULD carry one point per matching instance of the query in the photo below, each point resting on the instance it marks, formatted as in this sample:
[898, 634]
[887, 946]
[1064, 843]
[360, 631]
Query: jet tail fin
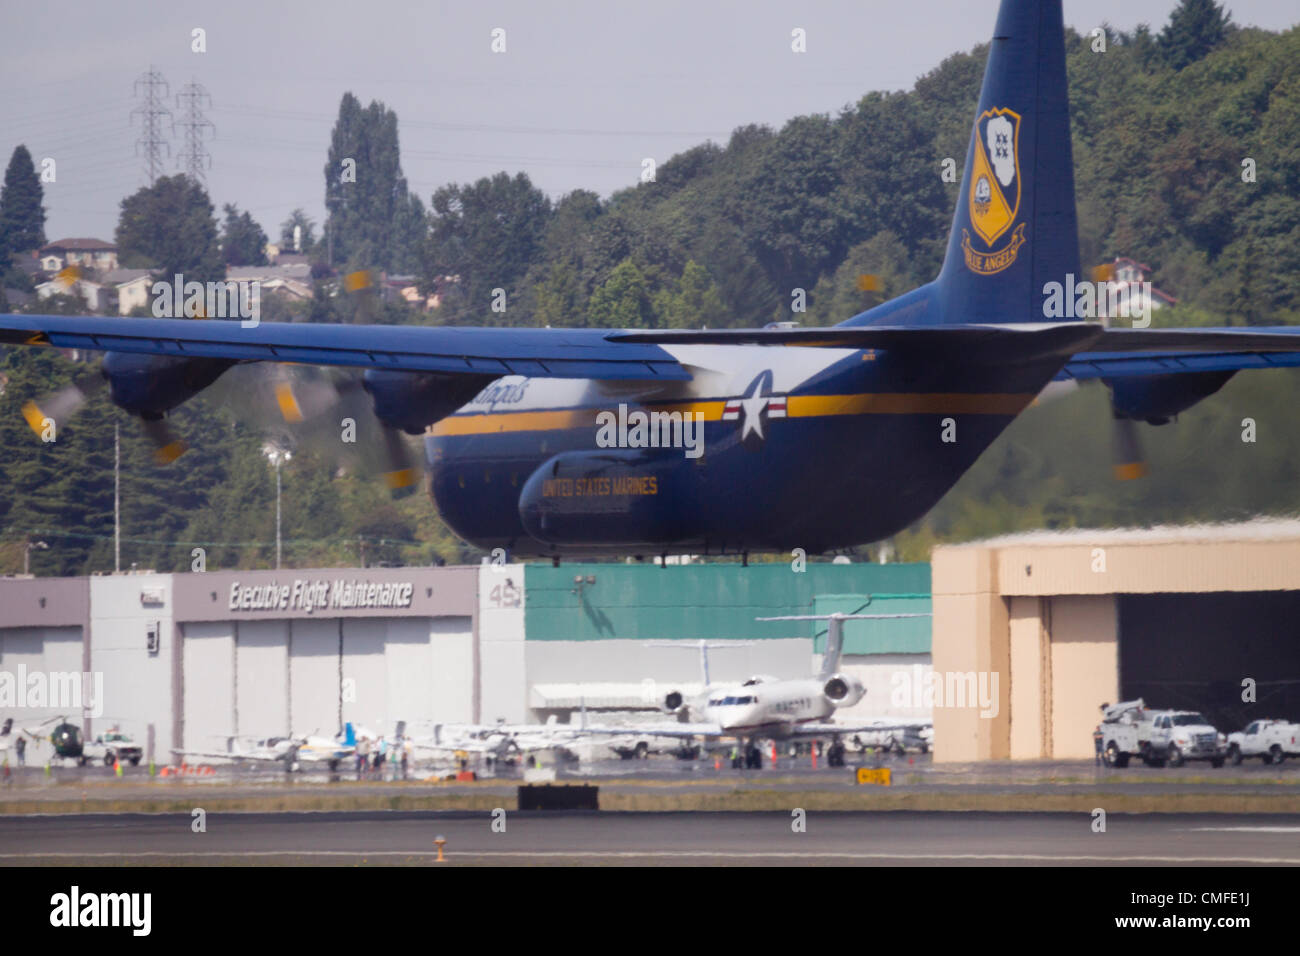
[349, 735]
[835, 632]
[834, 646]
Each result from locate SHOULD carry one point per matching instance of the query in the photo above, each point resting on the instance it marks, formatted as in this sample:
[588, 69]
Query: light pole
[278, 457]
[117, 498]
[27, 554]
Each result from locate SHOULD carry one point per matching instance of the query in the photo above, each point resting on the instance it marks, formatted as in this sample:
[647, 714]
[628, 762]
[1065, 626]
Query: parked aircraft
[769, 708]
[291, 752]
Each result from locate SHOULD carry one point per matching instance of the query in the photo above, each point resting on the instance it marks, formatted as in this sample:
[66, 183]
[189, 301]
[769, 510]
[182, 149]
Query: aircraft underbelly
[853, 454]
[882, 473]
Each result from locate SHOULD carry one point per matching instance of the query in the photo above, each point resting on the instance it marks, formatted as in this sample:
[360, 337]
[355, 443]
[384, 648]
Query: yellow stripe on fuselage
[906, 403]
[797, 406]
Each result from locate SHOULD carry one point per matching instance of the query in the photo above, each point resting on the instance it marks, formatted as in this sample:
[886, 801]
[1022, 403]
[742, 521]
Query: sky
[583, 92]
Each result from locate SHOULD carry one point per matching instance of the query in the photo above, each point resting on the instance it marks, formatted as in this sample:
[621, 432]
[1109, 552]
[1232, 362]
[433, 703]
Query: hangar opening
[1193, 651]
[1064, 622]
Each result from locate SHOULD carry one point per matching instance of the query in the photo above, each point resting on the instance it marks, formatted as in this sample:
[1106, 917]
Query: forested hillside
[725, 233]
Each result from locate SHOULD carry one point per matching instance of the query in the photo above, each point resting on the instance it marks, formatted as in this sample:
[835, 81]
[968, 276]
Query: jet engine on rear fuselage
[672, 702]
[843, 690]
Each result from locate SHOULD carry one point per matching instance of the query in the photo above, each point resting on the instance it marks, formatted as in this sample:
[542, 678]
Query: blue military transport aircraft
[590, 441]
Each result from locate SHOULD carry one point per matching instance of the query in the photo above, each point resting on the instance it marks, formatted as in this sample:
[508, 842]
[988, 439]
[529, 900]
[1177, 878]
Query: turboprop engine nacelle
[843, 690]
[150, 385]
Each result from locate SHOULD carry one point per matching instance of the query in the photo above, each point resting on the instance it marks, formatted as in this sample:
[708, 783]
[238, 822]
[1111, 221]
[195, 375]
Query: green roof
[721, 601]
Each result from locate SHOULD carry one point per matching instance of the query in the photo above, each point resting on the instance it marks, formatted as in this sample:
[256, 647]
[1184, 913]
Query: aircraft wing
[1093, 351]
[1122, 364]
[1087, 350]
[636, 354]
[229, 755]
[830, 730]
[538, 353]
[613, 354]
[467, 746]
[677, 731]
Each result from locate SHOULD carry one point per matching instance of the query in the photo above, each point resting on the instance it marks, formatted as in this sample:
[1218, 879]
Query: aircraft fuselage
[812, 448]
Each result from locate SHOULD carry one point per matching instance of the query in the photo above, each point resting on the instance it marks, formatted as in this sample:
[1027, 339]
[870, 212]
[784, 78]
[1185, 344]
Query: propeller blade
[1130, 463]
[401, 471]
[311, 404]
[167, 445]
[301, 399]
[58, 406]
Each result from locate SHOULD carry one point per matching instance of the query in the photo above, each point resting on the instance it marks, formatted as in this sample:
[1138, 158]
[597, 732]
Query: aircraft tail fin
[1015, 227]
[349, 735]
[835, 632]
[834, 646]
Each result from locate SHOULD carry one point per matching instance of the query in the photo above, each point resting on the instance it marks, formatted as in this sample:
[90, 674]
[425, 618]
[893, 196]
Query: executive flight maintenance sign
[308, 595]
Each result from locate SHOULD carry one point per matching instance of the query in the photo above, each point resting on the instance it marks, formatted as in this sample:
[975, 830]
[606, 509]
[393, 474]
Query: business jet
[769, 708]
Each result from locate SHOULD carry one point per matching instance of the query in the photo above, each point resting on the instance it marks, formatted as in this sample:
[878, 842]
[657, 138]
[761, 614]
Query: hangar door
[1193, 651]
[273, 677]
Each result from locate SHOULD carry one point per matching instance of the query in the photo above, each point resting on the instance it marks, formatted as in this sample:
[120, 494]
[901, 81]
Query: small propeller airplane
[813, 438]
[290, 752]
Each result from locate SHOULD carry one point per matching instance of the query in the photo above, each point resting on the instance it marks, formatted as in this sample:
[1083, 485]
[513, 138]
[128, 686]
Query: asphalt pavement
[604, 838]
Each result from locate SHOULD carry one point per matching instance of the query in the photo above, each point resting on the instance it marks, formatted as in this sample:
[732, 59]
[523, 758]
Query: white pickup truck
[1158, 736]
[1270, 740]
[112, 747]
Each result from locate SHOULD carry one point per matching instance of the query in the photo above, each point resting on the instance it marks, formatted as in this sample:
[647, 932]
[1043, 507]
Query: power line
[296, 542]
[151, 112]
[195, 160]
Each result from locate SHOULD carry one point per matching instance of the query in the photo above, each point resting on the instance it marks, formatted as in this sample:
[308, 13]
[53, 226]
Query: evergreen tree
[410, 236]
[243, 243]
[237, 528]
[372, 218]
[558, 300]
[1195, 28]
[169, 227]
[22, 217]
[486, 233]
[307, 234]
[694, 303]
[623, 301]
[873, 272]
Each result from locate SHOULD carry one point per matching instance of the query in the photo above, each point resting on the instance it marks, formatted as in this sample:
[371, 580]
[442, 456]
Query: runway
[672, 839]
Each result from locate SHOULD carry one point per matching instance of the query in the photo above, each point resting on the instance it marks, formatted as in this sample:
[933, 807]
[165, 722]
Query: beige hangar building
[1054, 624]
